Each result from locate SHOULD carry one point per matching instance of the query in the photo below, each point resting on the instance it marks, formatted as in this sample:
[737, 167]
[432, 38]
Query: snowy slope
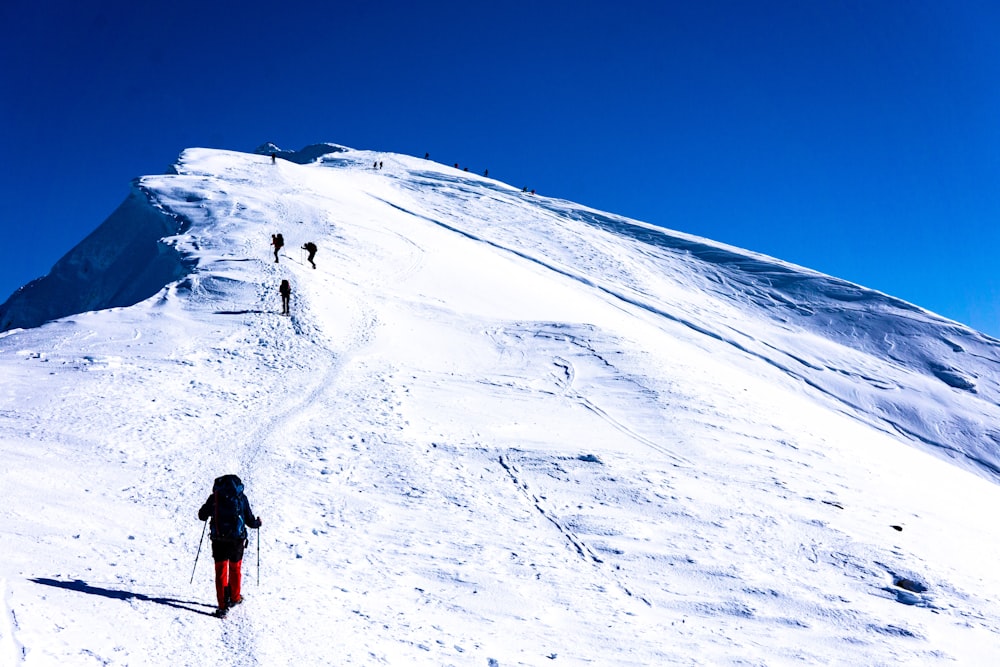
[497, 429]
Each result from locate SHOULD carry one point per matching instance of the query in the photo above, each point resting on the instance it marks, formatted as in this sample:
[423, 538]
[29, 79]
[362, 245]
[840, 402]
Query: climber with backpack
[285, 289]
[230, 512]
[278, 241]
[310, 248]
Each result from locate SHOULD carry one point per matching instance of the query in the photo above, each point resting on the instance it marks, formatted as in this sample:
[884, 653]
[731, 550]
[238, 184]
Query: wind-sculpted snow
[875, 330]
[124, 261]
[936, 379]
[496, 429]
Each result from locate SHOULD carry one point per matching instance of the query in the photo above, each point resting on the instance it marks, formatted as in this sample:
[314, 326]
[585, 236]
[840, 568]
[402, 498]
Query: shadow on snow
[83, 587]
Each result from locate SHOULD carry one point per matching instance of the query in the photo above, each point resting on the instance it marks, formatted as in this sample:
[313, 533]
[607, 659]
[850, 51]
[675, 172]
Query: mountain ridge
[496, 428]
[139, 252]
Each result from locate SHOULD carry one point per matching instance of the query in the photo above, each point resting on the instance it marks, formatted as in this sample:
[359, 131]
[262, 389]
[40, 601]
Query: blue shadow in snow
[241, 312]
[83, 587]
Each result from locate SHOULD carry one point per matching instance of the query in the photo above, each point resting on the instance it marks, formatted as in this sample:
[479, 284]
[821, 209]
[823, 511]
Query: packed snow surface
[496, 429]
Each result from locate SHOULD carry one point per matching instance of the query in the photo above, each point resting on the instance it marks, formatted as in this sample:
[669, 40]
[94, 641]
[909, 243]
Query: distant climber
[230, 512]
[278, 241]
[375, 166]
[286, 296]
[310, 248]
[380, 164]
[274, 158]
[486, 172]
[427, 156]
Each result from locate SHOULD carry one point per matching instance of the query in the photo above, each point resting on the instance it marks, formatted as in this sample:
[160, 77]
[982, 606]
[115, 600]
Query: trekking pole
[203, 527]
[258, 556]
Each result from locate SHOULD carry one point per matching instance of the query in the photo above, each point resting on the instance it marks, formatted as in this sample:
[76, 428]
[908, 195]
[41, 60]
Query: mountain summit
[495, 428]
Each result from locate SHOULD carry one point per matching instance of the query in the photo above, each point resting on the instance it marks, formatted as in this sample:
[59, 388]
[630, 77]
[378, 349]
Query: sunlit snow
[497, 429]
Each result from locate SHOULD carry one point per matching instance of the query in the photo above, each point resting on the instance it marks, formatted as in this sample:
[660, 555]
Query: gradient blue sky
[860, 138]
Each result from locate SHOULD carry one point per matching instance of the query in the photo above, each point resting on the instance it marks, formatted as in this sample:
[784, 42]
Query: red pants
[228, 574]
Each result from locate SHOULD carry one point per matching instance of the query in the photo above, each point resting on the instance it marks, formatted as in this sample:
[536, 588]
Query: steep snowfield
[497, 429]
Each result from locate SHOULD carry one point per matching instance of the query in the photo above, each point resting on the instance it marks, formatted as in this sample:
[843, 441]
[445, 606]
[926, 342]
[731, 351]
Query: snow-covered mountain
[497, 428]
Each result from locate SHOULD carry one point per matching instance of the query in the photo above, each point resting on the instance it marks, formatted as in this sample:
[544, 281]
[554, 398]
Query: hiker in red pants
[230, 512]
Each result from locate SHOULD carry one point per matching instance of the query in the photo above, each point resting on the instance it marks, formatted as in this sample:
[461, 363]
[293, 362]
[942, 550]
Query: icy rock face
[127, 259]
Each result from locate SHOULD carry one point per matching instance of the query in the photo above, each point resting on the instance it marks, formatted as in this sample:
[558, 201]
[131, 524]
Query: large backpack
[227, 515]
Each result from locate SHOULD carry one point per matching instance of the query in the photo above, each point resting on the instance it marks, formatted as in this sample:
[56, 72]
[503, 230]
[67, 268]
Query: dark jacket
[208, 509]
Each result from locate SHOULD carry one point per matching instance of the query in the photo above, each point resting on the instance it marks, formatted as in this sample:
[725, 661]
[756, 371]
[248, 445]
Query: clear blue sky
[860, 138]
